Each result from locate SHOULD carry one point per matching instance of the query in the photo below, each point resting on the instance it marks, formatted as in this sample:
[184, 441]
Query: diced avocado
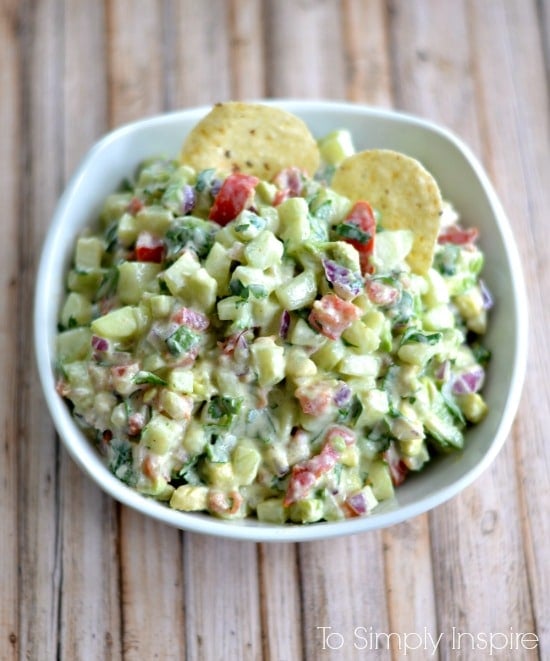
[306, 511]
[336, 146]
[220, 474]
[134, 279]
[120, 324]
[246, 461]
[189, 498]
[272, 510]
[302, 334]
[438, 318]
[85, 282]
[195, 438]
[177, 275]
[294, 226]
[77, 310]
[161, 434]
[361, 336]
[298, 364]
[437, 291]
[127, 231]
[73, 344]
[218, 264]
[375, 407]
[391, 248]
[161, 305]
[264, 251]
[180, 379]
[89, 252]
[359, 365]
[268, 360]
[114, 206]
[299, 292]
[178, 407]
[201, 290]
[473, 406]
[329, 355]
[380, 480]
[154, 219]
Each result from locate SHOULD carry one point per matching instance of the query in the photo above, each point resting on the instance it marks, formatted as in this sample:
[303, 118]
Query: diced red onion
[469, 382]
[358, 503]
[215, 187]
[486, 296]
[284, 324]
[443, 371]
[100, 343]
[342, 395]
[189, 199]
[346, 283]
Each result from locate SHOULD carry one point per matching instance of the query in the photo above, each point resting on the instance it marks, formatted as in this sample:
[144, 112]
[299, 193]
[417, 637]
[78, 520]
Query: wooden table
[85, 578]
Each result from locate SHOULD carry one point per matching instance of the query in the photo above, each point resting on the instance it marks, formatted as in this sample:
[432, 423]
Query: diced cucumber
[85, 282]
[299, 292]
[177, 275]
[114, 206]
[294, 226]
[195, 438]
[264, 251]
[380, 480]
[161, 434]
[246, 461]
[375, 407]
[134, 279]
[359, 365]
[77, 310]
[155, 219]
[127, 231]
[307, 511]
[220, 474]
[336, 146]
[329, 355]
[272, 510]
[391, 248]
[88, 253]
[362, 337]
[161, 305]
[269, 361]
[73, 344]
[120, 324]
[217, 264]
[180, 379]
[189, 498]
[303, 335]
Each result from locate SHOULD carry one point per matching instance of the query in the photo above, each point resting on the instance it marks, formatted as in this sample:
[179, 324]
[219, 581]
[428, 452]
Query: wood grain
[85, 578]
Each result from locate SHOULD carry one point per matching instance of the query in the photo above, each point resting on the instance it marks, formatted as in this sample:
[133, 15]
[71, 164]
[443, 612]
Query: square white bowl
[462, 181]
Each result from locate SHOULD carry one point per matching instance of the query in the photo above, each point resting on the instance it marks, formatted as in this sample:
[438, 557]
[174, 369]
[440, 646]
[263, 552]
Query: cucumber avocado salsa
[244, 346]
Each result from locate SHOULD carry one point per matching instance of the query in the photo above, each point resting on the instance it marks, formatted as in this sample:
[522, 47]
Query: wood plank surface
[83, 577]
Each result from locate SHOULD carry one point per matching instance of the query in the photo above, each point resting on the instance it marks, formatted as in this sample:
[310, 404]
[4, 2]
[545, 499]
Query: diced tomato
[135, 206]
[458, 236]
[398, 468]
[381, 293]
[314, 398]
[149, 248]
[341, 432]
[235, 194]
[331, 315]
[306, 473]
[191, 318]
[362, 215]
[289, 182]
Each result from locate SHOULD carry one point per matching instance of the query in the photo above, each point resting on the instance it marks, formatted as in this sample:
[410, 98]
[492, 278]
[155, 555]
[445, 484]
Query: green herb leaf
[353, 232]
[414, 335]
[149, 377]
[182, 340]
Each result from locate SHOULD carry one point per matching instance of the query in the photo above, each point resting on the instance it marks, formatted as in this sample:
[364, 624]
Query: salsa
[250, 347]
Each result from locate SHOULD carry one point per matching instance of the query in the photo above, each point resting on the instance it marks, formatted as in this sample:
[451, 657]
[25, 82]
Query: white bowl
[462, 181]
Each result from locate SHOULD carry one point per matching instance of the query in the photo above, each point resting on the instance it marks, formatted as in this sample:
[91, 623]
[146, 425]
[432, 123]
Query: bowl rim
[82, 451]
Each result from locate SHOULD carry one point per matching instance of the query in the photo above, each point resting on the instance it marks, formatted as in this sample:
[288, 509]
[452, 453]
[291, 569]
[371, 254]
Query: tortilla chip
[402, 190]
[251, 138]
